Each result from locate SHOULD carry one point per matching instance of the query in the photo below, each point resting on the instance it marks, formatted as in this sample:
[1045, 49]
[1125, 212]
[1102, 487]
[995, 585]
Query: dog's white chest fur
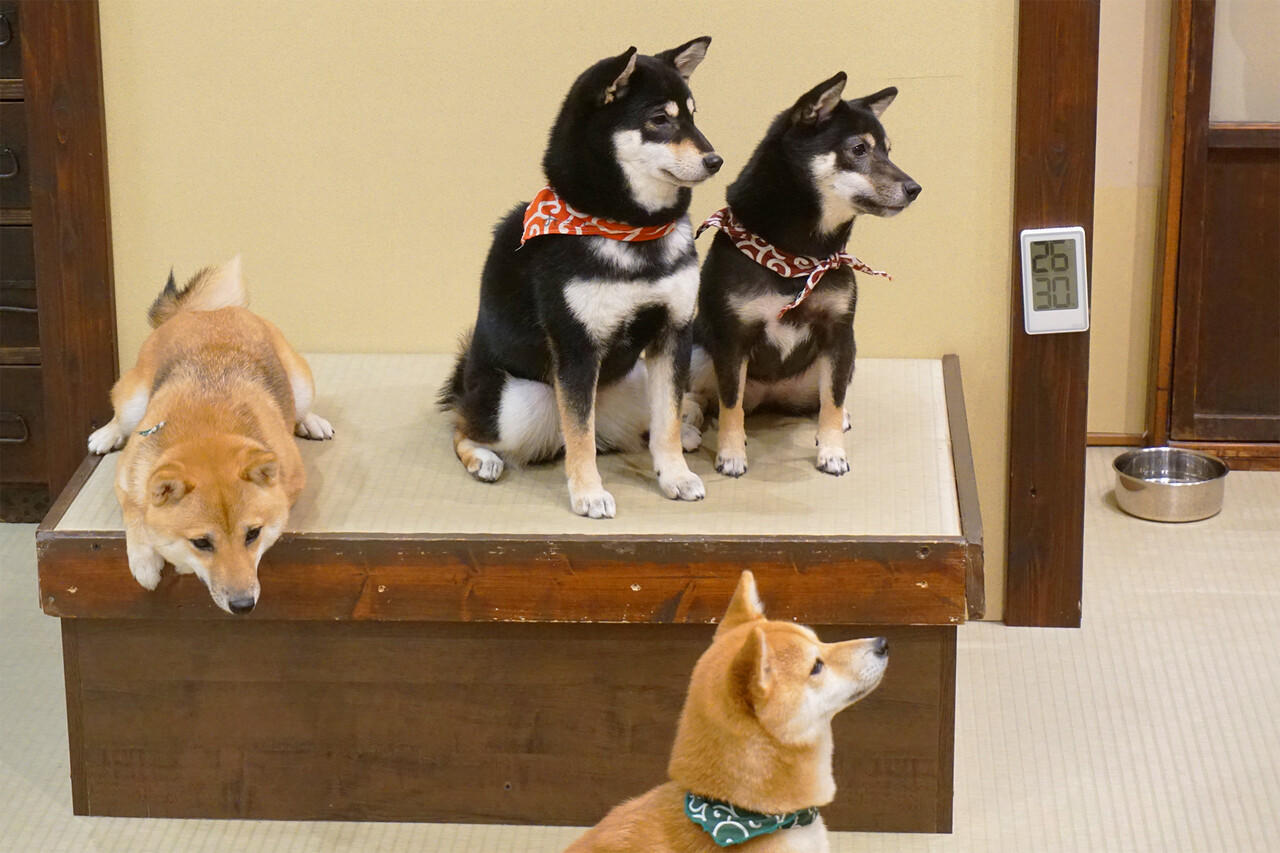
[604, 305]
[784, 337]
[764, 308]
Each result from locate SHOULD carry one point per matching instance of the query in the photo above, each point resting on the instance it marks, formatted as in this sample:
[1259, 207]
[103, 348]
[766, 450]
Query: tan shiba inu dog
[752, 757]
[209, 469]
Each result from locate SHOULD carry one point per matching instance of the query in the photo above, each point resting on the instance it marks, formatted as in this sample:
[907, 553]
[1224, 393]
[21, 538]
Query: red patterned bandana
[783, 263]
[548, 213]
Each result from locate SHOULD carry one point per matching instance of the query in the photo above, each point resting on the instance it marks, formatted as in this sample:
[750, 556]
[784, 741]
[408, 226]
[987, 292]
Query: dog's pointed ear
[621, 68]
[169, 483]
[880, 101]
[752, 667]
[687, 56]
[228, 274]
[259, 466]
[744, 607]
[816, 105]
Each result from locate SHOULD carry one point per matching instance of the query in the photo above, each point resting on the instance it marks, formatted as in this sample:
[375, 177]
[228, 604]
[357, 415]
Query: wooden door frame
[71, 219]
[1190, 70]
[1055, 126]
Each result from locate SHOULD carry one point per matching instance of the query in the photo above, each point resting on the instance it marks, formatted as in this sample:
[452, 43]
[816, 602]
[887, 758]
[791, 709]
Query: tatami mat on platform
[390, 467]
[1152, 728]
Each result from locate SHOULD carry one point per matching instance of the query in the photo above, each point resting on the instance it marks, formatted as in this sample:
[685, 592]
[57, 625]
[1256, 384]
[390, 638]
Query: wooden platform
[409, 658]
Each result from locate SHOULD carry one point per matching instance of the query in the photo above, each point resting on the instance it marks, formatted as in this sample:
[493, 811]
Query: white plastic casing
[1068, 285]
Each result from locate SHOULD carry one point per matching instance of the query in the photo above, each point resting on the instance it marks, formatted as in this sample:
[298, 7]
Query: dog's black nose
[240, 605]
[912, 189]
[714, 161]
[881, 647]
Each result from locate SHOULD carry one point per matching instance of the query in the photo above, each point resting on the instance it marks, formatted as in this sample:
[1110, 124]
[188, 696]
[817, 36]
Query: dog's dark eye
[860, 149]
[252, 535]
[202, 544]
[818, 666]
[660, 120]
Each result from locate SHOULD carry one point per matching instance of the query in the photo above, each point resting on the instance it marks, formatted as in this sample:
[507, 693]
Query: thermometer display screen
[1055, 284]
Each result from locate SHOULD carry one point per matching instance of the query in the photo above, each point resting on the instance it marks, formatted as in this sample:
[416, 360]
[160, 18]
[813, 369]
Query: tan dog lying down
[207, 415]
[755, 735]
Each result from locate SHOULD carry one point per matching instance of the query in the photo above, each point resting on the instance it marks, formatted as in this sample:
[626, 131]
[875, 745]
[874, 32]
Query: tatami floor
[1155, 727]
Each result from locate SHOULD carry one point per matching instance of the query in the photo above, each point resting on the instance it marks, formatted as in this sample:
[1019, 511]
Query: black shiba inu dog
[777, 298]
[599, 269]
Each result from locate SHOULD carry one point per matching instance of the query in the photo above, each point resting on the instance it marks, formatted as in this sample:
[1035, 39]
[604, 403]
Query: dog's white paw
[848, 424]
[731, 463]
[106, 439]
[684, 486]
[314, 427]
[691, 411]
[690, 437]
[486, 466]
[145, 564]
[831, 460]
[593, 503]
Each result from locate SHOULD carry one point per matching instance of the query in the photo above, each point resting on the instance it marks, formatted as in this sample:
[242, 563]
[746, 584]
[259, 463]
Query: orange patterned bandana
[783, 263]
[550, 214]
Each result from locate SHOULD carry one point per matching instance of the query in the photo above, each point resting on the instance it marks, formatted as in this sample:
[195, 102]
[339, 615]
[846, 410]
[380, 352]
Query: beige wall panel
[359, 153]
[1132, 95]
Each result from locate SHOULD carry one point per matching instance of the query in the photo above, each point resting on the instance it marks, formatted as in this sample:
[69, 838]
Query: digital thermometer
[1055, 286]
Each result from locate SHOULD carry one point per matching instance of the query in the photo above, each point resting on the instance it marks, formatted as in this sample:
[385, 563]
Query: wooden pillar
[1049, 374]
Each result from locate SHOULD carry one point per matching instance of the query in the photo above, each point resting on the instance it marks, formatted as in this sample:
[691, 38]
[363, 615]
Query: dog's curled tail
[208, 290]
[449, 397]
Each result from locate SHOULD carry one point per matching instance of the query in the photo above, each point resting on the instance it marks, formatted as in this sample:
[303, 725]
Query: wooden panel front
[19, 324]
[1226, 376]
[542, 724]
[10, 41]
[15, 164]
[66, 124]
[22, 445]
[495, 579]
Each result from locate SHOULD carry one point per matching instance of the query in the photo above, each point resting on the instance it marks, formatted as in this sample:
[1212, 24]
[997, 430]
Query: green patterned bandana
[728, 825]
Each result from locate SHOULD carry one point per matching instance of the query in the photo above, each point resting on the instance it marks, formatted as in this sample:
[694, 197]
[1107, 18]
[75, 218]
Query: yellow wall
[1127, 232]
[358, 153]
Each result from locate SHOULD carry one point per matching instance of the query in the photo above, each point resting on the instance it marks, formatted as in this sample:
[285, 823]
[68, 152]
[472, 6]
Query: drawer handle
[18, 309]
[8, 156]
[14, 417]
[6, 31]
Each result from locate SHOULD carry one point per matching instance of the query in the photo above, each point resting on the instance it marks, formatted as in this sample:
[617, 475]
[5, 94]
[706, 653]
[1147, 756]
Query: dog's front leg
[144, 562]
[731, 449]
[576, 376]
[667, 363]
[835, 371]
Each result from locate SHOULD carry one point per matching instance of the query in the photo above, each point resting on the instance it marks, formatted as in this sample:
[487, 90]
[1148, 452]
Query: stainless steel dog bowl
[1169, 483]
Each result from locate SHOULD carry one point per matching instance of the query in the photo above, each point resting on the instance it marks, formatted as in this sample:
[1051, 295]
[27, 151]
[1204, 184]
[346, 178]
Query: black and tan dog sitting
[599, 269]
[777, 299]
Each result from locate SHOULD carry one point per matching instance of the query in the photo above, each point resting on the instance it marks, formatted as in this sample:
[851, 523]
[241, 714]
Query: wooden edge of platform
[68, 495]
[421, 578]
[966, 488]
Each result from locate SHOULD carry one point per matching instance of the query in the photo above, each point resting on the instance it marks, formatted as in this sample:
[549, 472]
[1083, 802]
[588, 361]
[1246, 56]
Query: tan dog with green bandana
[752, 758]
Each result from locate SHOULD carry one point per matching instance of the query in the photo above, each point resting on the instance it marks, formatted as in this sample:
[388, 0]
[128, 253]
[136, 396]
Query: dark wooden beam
[966, 488]
[71, 217]
[1049, 374]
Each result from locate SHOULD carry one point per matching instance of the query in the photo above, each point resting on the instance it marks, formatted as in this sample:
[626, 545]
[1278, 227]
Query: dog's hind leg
[129, 398]
[667, 361]
[693, 406]
[622, 412]
[307, 424]
[481, 461]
